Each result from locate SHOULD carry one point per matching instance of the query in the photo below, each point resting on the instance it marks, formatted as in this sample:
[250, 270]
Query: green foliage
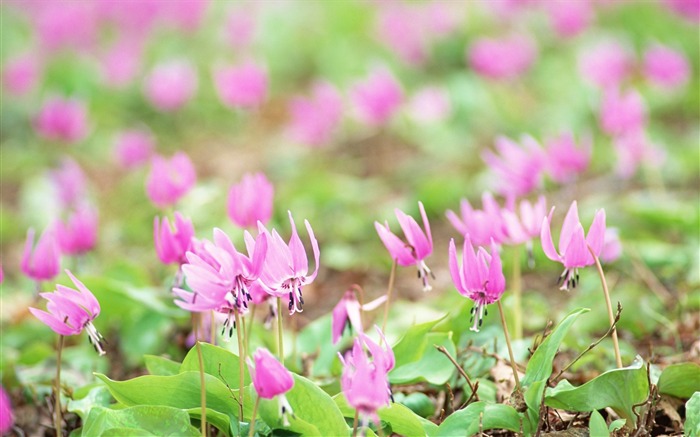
[399, 418]
[597, 426]
[680, 380]
[692, 416]
[218, 362]
[430, 365]
[161, 366]
[143, 420]
[480, 415]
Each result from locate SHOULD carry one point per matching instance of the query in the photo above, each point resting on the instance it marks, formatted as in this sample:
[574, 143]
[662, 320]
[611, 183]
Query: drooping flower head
[170, 85]
[170, 179]
[564, 160]
[173, 242]
[70, 311]
[418, 244]
[44, 262]
[314, 119]
[574, 244]
[287, 266]
[78, 234]
[63, 120]
[517, 169]
[480, 278]
[133, 148]
[241, 86]
[347, 314]
[250, 201]
[666, 67]
[504, 58]
[271, 379]
[377, 98]
[482, 225]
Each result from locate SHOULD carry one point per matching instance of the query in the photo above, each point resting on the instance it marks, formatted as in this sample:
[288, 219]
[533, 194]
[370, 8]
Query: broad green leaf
[430, 364]
[131, 432]
[314, 410]
[466, 422]
[98, 396]
[216, 358]
[692, 416]
[680, 380]
[161, 366]
[604, 391]
[616, 424]
[418, 402]
[402, 420]
[597, 425]
[533, 400]
[222, 421]
[407, 350]
[539, 368]
[151, 419]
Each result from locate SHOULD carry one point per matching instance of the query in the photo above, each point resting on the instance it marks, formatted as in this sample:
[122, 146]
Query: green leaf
[314, 410]
[429, 364]
[680, 380]
[466, 422]
[147, 419]
[692, 416]
[131, 432]
[604, 391]
[405, 351]
[215, 358]
[98, 396]
[533, 400]
[616, 424]
[161, 366]
[402, 420]
[597, 425]
[539, 368]
[419, 403]
[220, 420]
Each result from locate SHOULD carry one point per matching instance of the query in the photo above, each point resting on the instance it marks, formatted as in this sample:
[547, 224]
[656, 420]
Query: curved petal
[52, 322]
[576, 254]
[497, 281]
[426, 225]
[397, 248]
[547, 243]
[457, 222]
[27, 254]
[470, 266]
[314, 247]
[596, 233]
[414, 235]
[300, 263]
[567, 228]
[91, 302]
[455, 271]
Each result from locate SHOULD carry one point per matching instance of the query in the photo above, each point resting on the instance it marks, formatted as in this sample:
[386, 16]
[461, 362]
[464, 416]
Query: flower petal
[546, 238]
[570, 222]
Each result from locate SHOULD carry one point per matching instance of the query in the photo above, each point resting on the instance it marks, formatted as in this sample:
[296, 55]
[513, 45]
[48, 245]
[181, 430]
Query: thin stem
[57, 406]
[280, 341]
[517, 295]
[473, 387]
[510, 349]
[202, 387]
[355, 422]
[611, 317]
[249, 329]
[251, 433]
[392, 277]
[241, 359]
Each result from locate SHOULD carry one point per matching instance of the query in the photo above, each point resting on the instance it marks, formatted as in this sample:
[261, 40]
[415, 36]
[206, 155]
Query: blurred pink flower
[480, 278]
[525, 225]
[314, 119]
[564, 160]
[286, 267]
[622, 113]
[69, 181]
[346, 314]
[2, 274]
[444, 18]
[44, 261]
[133, 148]
[20, 74]
[170, 179]
[634, 149]
[482, 225]
[121, 62]
[606, 64]
[78, 234]
[400, 26]
[240, 28]
[6, 416]
[573, 244]
[186, 14]
[507, 57]
[251, 200]
[569, 18]
[612, 247]
[377, 98]
[71, 311]
[271, 379]
[689, 9]
[64, 24]
[62, 120]
[170, 85]
[418, 245]
[173, 242]
[429, 105]
[666, 67]
[517, 169]
[241, 86]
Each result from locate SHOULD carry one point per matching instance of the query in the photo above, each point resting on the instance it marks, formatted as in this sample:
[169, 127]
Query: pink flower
[523, 227]
[69, 181]
[62, 120]
[271, 379]
[347, 314]
[241, 86]
[186, 14]
[2, 274]
[480, 277]
[173, 242]
[66, 24]
[573, 244]
[606, 64]
[564, 160]
[44, 262]
[482, 225]
[418, 245]
[401, 27]
[6, 419]
[170, 85]
[20, 74]
[634, 149]
[315, 119]
[505, 58]
[170, 179]
[133, 148]
[688, 9]
[240, 27]
[250, 201]
[377, 98]
[622, 113]
[569, 18]
[71, 311]
[666, 67]
[612, 247]
[286, 267]
[517, 170]
[429, 105]
[121, 63]
[78, 234]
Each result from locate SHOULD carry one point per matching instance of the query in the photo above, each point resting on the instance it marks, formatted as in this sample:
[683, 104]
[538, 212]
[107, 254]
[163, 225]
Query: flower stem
[251, 433]
[241, 359]
[57, 406]
[392, 277]
[355, 421]
[202, 387]
[249, 328]
[611, 317]
[517, 295]
[280, 341]
[510, 349]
